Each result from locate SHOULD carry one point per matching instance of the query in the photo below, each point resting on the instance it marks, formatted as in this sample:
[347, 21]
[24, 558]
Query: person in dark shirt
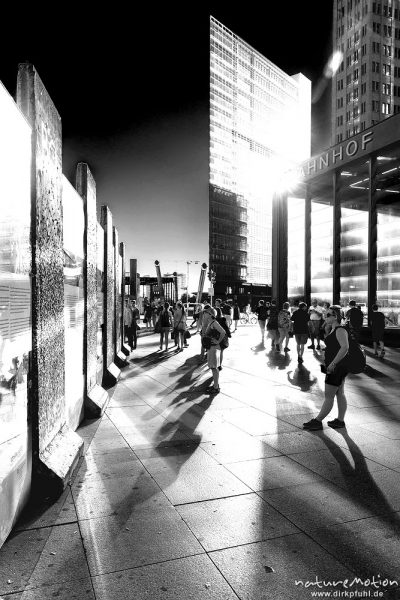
[272, 325]
[377, 330]
[262, 314]
[354, 318]
[300, 329]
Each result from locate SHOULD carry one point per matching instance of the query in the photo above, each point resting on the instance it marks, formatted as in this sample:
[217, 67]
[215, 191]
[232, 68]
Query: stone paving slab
[76, 589]
[368, 546]
[270, 569]
[46, 512]
[321, 503]
[39, 557]
[96, 496]
[234, 521]
[274, 472]
[194, 578]
[194, 477]
[245, 448]
[144, 537]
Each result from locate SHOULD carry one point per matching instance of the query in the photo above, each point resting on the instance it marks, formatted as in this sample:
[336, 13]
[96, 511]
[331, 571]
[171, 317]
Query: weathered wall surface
[86, 187]
[47, 255]
[15, 311]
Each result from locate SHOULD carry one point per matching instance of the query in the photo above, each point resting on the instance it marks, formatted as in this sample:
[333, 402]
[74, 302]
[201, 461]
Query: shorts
[314, 327]
[213, 356]
[301, 338]
[338, 376]
[283, 332]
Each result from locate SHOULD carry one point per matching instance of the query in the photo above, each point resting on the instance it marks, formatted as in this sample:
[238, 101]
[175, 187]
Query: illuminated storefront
[342, 223]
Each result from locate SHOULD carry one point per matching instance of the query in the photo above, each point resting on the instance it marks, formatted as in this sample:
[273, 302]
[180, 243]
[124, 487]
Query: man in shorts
[300, 329]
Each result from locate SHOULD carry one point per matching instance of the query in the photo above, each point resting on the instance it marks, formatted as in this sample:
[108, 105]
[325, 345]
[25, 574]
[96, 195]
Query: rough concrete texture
[186, 495]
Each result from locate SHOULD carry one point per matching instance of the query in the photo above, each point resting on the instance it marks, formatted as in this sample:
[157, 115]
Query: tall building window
[376, 47]
[296, 247]
[376, 27]
[321, 192]
[386, 88]
[352, 194]
[375, 67]
[386, 69]
[375, 86]
[387, 50]
[385, 109]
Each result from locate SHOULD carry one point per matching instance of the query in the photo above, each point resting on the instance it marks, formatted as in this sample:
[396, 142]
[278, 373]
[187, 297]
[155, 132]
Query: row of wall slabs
[61, 301]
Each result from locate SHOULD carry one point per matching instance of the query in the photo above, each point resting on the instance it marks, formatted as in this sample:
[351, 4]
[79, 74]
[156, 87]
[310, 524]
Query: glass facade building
[343, 225]
[366, 86]
[260, 118]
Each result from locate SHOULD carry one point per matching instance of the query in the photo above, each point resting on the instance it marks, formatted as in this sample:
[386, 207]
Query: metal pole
[187, 287]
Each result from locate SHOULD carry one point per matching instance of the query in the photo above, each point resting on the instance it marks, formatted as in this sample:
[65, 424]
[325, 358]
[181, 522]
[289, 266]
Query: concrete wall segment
[47, 254]
[86, 187]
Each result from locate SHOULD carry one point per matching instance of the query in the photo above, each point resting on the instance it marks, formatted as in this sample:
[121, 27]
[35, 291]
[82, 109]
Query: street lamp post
[188, 263]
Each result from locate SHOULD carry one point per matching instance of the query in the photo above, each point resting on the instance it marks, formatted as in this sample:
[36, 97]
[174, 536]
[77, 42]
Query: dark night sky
[132, 92]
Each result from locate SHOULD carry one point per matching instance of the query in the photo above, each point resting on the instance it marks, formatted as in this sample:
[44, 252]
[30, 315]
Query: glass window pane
[296, 238]
[322, 239]
[387, 185]
[353, 189]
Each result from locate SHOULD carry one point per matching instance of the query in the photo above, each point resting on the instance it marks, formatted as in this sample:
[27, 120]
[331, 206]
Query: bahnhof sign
[339, 225]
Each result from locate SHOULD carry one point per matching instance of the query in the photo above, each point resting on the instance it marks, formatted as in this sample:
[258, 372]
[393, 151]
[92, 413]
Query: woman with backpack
[165, 319]
[213, 334]
[337, 347]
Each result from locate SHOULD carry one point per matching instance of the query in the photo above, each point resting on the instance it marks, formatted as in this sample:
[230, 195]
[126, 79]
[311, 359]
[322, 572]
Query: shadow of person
[277, 360]
[362, 488]
[301, 378]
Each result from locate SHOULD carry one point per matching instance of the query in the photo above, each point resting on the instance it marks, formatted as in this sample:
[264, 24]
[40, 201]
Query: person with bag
[272, 325]
[236, 314]
[179, 326]
[378, 330]
[284, 327]
[213, 336]
[221, 319]
[208, 314]
[165, 320]
[336, 368]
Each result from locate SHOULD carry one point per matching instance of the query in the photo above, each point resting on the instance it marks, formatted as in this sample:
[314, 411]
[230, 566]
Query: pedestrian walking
[300, 329]
[236, 314]
[262, 314]
[284, 327]
[128, 319]
[207, 316]
[378, 330]
[272, 325]
[354, 318]
[314, 324]
[220, 318]
[135, 319]
[180, 326]
[337, 346]
[148, 311]
[166, 322]
[227, 312]
[217, 333]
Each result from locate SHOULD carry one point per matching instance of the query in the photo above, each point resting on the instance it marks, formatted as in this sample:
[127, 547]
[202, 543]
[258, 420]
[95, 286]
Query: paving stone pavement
[182, 495]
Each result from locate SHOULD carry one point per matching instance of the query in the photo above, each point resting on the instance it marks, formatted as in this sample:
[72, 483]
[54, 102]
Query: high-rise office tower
[260, 120]
[366, 87]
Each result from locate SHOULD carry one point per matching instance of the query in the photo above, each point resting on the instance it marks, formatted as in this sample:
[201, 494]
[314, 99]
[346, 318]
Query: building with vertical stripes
[260, 118]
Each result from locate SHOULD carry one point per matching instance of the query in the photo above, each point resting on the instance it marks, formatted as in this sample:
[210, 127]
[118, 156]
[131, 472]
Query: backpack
[355, 360]
[283, 319]
[224, 325]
